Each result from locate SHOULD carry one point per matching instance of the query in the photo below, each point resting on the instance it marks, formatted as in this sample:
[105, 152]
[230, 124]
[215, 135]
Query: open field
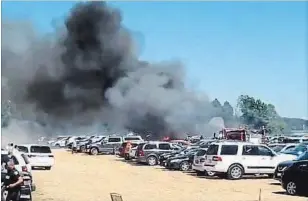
[81, 178]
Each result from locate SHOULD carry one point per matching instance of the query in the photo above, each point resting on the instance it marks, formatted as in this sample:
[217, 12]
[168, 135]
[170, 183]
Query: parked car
[298, 150]
[203, 143]
[181, 142]
[282, 147]
[69, 145]
[181, 162]
[52, 141]
[294, 178]
[39, 155]
[163, 157]
[285, 164]
[108, 145]
[234, 159]
[198, 163]
[59, 143]
[149, 152]
[82, 145]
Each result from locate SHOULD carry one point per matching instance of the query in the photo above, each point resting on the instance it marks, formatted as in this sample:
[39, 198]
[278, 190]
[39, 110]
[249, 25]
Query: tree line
[255, 114]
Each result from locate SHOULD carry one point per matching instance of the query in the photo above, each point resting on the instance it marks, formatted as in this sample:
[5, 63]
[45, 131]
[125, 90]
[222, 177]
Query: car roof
[234, 143]
[28, 145]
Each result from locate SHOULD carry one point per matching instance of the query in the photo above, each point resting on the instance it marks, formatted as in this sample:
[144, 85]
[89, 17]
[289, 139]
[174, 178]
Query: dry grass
[81, 178]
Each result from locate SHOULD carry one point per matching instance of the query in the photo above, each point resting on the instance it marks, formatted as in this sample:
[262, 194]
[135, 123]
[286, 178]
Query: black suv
[284, 165]
[295, 178]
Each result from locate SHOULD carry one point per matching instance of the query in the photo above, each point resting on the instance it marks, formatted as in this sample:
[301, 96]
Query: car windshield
[300, 148]
[277, 148]
[303, 156]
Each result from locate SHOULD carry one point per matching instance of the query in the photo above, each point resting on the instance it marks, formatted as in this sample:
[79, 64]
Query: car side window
[290, 148]
[23, 149]
[250, 150]
[114, 139]
[150, 146]
[164, 146]
[264, 151]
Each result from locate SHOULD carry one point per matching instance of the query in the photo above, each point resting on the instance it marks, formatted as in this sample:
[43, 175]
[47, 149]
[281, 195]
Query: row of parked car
[26, 158]
[230, 160]
[286, 163]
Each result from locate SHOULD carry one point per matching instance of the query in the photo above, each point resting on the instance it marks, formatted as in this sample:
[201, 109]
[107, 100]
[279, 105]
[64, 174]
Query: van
[38, 155]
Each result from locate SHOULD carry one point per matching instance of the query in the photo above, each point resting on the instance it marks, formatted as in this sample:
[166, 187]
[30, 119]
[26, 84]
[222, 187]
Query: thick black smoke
[88, 74]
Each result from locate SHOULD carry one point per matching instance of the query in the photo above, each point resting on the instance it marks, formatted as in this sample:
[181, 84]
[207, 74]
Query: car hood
[286, 157]
[181, 156]
[297, 153]
[286, 163]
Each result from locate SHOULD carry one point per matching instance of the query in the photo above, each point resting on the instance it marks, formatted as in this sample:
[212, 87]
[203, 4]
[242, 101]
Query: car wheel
[57, 145]
[211, 174]
[152, 160]
[235, 172]
[184, 166]
[291, 188]
[48, 168]
[271, 175]
[94, 151]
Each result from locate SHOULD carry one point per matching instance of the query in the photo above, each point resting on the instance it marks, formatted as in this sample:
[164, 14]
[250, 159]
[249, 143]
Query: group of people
[11, 176]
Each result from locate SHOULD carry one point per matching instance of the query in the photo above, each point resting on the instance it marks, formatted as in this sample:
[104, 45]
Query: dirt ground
[82, 177]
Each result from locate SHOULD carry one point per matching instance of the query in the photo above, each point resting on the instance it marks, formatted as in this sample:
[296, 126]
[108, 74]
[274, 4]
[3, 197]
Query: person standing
[127, 150]
[15, 181]
[74, 146]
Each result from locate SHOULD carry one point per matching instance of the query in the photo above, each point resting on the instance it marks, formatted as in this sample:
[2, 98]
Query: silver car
[149, 152]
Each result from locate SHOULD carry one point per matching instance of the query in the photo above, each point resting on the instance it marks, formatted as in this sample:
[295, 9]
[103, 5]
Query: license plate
[210, 160]
[27, 182]
[25, 196]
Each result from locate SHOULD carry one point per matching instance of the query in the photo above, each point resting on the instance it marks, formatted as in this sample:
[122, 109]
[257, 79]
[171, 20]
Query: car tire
[235, 172]
[57, 146]
[211, 174]
[94, 151]
[152, 160]
[291, 188]
[184, 166]
[48, 168]
[271, 175]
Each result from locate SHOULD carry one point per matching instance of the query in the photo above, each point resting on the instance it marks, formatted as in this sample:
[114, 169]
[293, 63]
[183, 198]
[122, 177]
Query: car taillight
[24, 168]
[216, 158]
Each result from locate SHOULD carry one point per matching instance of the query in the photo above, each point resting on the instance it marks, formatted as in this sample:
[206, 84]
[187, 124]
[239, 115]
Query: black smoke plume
[88, 74]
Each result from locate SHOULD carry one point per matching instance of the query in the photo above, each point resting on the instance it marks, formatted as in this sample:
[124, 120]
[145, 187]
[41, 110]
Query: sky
[228, 48]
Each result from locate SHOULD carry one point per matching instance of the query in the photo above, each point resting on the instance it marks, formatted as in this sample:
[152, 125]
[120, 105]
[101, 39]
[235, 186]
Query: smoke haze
[88, 74]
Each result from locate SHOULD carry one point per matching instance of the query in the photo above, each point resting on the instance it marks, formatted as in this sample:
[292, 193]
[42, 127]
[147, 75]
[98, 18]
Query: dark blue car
[284, 165]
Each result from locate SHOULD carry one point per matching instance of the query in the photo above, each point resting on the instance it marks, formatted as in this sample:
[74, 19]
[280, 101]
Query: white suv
[234, 159]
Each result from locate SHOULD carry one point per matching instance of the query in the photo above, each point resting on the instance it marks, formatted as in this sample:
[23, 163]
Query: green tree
[256, 114]
[217, 107]
[228, 110]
